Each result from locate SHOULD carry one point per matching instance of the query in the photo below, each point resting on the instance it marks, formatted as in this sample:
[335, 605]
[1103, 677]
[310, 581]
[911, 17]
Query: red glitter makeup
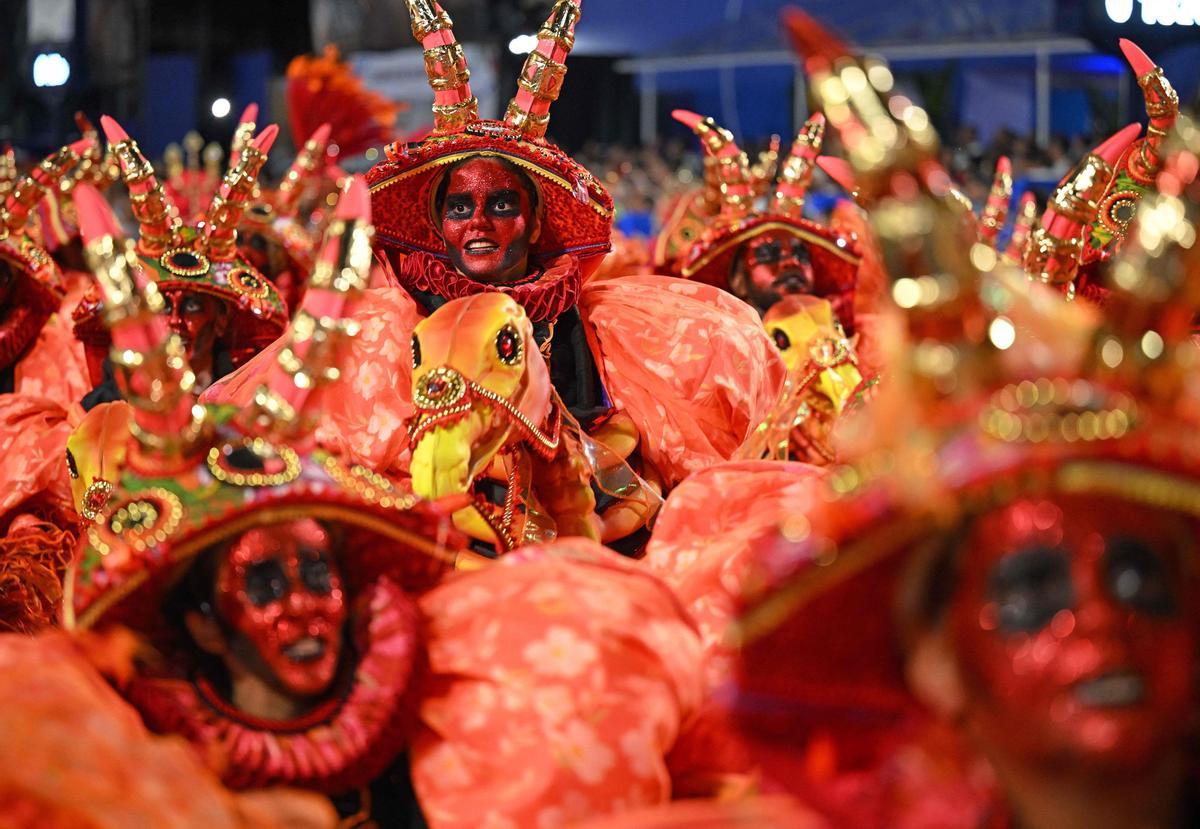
[279, 589]
[1072, 637]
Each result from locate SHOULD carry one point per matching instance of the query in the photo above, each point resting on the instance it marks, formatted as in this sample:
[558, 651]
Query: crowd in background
[642, 179]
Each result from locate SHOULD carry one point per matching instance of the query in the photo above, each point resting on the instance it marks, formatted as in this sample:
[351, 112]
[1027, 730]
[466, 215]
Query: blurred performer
[331, 116]
[221, 307]
[308, 628]
[761, 255]
[1031, 526]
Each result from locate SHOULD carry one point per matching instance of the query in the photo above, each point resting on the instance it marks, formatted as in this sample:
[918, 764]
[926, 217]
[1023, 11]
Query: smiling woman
[489, 218]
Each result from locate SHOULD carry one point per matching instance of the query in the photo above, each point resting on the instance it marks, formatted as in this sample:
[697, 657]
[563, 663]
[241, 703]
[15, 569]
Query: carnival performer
[989, 609]
[760, 254]
[501, 209]
[309, 627]
[222, 308]
[42, 377]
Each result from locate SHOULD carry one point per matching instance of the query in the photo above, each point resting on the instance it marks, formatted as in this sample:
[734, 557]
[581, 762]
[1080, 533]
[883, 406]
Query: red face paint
[280, 590]
[776, 264]
[193, 316]
[487, 221]
[1075, 633]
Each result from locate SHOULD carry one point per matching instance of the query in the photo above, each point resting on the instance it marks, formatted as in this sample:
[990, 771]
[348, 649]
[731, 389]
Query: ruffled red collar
[544, 295]
[338, 747]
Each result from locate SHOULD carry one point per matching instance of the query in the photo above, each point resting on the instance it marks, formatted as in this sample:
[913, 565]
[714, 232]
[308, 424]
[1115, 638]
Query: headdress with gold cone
[576, 210]
[733, 188]
[997, 389]
[1091, 209]
[172, 477]
[199, 257]
[57, 224]
[37, 281]
[179, 478]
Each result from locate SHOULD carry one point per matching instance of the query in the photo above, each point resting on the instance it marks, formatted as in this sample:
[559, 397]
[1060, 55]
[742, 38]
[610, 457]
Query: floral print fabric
[565, 683]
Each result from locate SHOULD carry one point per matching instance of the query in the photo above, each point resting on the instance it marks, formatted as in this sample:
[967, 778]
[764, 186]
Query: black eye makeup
[315, 572]
[1029, 587]
[766, 253]
[265, 582]
[504, 203]
[1136, 576]
[459, 207]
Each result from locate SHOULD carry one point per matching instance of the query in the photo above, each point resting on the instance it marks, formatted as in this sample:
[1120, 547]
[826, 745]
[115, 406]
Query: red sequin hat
[576, 210]
[835, 258]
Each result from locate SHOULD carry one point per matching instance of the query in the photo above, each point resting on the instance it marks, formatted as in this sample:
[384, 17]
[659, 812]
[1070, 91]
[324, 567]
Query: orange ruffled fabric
[55, 367]
[565, 683]
[78, 757]
[691, 364]
[706, 552]
[37, 516]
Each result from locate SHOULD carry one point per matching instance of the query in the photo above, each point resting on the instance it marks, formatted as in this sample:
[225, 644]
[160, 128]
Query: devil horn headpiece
[454, 105]
[158, 221]
[542, 75]
[44, 178]
[309, 160]
[1162, 106]
[244, 134]
[732, 187]
[284, 404]
[797, 171]
[1056, 248]
[1027, 215]
[995, 211]
[149, 360]
[223, 215]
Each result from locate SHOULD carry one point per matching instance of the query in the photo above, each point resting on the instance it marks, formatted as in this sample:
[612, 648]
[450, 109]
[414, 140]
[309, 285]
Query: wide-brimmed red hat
[734, 187]
[576, 211]
[173, 478]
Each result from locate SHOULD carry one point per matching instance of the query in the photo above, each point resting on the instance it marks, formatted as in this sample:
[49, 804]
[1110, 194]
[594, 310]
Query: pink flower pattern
[561, 685]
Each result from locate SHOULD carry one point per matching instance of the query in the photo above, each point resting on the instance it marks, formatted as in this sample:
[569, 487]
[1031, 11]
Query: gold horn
[542, 75]
[734, 189]
[454, 105]
[797, 172]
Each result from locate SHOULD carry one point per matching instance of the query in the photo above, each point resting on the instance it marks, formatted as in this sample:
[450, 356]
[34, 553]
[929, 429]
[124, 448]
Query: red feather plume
[323, 89]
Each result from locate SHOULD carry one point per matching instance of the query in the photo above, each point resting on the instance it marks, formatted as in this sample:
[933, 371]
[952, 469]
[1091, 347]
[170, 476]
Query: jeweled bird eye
[416, 349]
[782, 341]
[1137, 577]
[1029, 587]
[265, 582]
[508, 345]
